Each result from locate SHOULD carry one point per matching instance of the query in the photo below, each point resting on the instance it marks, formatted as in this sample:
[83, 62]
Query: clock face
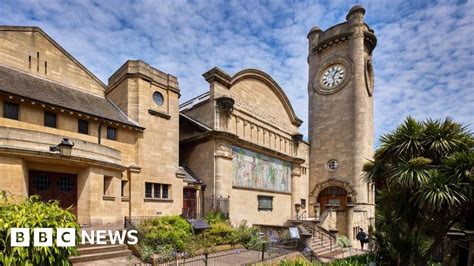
[333, 76]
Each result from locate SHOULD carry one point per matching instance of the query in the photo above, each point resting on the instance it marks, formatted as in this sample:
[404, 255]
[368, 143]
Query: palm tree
[423, 175]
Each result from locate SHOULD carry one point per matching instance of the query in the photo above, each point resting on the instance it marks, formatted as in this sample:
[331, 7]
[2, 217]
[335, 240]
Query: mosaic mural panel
[254, 170]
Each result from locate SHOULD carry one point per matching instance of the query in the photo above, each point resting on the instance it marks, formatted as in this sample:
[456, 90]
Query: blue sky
[424, 63]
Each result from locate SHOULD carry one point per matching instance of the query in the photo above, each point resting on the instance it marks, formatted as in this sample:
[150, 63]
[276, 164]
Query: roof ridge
[50, 80]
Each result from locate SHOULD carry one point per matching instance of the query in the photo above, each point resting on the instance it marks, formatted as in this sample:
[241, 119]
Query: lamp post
[297, 210]
[64, 148]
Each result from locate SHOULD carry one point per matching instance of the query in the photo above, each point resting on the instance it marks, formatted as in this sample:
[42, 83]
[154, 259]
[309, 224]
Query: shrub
[215, 217]
[33, 213]
[248, 236]
[167, 230]
[147, 252]
[221, 233]
[344, 242]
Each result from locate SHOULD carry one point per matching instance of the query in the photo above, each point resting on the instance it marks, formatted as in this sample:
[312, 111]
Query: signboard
[294, 233]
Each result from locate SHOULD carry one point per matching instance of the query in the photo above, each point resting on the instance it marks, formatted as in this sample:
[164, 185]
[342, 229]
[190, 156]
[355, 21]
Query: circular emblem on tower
[332, 76]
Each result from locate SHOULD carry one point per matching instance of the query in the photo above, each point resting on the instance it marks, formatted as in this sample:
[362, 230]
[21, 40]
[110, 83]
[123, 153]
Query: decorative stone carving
[223, 149]
[295, 170]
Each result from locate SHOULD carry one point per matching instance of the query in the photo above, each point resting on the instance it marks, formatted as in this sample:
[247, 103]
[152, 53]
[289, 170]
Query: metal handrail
[302, 216]
[323, 233]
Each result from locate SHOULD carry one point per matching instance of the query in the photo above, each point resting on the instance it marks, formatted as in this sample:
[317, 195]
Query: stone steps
[92, 253]
[100, 249]
[100, 256]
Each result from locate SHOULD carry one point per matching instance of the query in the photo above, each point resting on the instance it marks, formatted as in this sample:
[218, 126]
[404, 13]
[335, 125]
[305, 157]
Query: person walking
[362, 237]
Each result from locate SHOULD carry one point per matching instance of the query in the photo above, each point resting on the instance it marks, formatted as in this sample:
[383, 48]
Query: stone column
[295, 190]
[135, 198]
[223, 169]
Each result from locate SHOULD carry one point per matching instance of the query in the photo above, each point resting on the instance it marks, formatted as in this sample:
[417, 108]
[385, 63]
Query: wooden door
[54, 186]
[189, 203]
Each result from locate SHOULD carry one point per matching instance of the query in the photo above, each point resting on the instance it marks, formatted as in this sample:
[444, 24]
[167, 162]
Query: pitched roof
[39, 89]
[189, 176]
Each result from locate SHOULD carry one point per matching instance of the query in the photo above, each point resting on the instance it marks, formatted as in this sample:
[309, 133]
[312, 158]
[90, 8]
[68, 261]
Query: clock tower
[341, 131]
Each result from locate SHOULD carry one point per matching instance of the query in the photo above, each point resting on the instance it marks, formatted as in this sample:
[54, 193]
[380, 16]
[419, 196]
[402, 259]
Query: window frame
[86, 123]
[11, 104]
[50, 115]
[262, 198]
[115, 133]
[164, 189]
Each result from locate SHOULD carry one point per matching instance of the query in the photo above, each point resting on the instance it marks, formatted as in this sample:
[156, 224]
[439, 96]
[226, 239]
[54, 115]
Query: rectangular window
[148, 190]
[83, 126]
[107, 185]
[10, 110]
[156, 191]
[165, 191]
[303, 203]
[111, 133]
[50, 119]
[265, 203]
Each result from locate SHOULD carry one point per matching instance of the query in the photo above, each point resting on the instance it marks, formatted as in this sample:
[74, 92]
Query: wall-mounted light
[64, 148]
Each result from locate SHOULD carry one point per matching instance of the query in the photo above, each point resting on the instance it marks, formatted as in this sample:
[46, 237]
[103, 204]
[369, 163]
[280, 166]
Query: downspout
[99, 132]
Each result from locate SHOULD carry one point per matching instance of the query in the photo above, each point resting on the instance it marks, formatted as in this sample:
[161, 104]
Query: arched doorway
[333, 197]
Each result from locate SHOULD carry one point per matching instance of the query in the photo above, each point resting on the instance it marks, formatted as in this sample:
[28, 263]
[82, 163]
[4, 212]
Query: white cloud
[423, 62]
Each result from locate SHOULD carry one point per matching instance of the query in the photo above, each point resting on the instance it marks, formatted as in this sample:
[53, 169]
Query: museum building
[128, 148]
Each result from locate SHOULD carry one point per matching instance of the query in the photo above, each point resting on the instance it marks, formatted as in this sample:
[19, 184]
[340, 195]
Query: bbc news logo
[66, 237]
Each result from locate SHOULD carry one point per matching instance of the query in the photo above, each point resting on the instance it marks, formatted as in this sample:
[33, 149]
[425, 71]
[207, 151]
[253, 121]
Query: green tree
[423, 175]
[34, 213]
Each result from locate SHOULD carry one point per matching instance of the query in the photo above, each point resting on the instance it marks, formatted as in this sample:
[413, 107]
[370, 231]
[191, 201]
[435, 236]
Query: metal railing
[238, 256]
[302, 216]
[318, 232]
[216, 204]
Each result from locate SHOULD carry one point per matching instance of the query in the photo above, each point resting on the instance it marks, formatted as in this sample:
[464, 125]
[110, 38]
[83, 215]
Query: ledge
[125, 199]
[261, 190]
[157, 200]
[159, 114]
[108, 198]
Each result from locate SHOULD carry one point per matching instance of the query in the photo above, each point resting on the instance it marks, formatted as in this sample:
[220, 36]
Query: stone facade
[341, 118]
[109, 174]
[245, 111]
[236, 148]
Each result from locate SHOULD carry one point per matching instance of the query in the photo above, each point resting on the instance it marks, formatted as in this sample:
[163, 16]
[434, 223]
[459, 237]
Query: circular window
[332, 165]
[158, 98]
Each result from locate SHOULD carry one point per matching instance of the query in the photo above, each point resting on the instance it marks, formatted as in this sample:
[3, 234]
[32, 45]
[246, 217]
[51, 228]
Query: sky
[423, 62]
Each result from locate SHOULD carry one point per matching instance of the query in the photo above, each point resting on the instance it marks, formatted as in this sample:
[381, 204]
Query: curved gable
[270, 83]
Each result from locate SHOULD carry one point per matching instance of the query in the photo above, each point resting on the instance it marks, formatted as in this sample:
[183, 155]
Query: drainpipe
[100, 132]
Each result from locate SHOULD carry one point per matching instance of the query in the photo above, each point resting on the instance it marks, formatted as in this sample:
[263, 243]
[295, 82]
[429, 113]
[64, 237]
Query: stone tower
[340, 89]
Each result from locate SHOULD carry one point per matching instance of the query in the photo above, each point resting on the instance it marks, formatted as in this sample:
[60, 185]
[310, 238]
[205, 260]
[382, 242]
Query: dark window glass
[41, 182]
[111, 133]
[65, 184]
[148, 188]
[303, 203]
[265, 203]
[165, 191]
[83, 126]
[156, 191]
[50, 119]
[10, 110]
